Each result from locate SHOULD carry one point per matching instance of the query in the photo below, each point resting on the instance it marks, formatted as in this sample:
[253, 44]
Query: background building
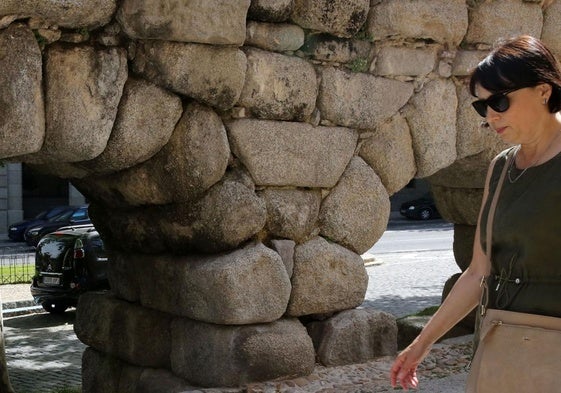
[25, 192]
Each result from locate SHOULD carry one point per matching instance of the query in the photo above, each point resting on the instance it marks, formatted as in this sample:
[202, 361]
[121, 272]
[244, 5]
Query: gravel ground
[443, 371]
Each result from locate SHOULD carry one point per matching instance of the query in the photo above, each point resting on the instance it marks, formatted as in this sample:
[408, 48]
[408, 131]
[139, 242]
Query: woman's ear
[544, 89]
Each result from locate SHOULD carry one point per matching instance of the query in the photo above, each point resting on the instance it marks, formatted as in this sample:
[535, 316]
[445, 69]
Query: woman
[518, 86]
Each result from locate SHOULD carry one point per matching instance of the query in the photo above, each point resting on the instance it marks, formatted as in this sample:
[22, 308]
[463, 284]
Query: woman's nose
[492, 115]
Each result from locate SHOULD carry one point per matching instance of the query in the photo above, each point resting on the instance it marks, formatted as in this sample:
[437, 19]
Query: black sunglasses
[498, 102]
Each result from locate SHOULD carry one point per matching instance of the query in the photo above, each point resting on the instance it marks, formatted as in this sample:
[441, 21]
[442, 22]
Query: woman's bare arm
[463, 297]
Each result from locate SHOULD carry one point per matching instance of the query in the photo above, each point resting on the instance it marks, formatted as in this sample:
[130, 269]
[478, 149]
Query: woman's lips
[500, 130]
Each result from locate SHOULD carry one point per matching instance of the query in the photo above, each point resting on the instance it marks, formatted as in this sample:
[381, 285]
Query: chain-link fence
[17, 264]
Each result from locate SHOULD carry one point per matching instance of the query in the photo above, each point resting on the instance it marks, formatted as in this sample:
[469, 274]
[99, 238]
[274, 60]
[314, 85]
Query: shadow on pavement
[42, 320]
[407, 305]
[43, 352]
[402, 223]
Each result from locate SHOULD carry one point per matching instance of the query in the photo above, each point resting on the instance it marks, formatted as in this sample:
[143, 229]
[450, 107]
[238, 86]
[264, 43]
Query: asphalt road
[413, 260]
[403, 235]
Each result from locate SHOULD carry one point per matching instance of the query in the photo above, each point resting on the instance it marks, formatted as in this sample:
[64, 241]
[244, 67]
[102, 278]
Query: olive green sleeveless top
[526, 243]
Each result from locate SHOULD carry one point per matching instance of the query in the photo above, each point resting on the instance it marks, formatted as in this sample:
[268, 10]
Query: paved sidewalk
[43, 352]
[10, 293]
[17, 300]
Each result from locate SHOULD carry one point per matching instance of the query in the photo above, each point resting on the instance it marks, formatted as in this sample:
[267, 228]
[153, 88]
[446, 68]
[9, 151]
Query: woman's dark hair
[519, 62]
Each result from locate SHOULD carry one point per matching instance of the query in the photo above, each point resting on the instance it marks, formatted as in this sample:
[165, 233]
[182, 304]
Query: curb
[13, 309]
[370, 260]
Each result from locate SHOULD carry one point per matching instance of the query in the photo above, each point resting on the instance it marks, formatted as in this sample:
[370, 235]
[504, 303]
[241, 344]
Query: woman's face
[525, 113]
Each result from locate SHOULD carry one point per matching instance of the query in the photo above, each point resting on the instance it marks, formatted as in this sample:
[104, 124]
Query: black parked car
[16, 230]
[423, 208]
[76, 216]
[68, 262]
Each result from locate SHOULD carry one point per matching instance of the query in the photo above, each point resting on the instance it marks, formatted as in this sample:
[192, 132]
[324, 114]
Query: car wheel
[54, 307]
[425, 214]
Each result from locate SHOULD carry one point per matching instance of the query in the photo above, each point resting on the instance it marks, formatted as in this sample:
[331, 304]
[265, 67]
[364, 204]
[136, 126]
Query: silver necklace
[512, 163]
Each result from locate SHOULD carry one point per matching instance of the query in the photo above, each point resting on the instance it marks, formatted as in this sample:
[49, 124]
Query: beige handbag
[516, 352]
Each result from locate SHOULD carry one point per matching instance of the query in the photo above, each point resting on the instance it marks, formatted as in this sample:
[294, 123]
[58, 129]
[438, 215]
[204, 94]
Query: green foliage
[364, 35]
[360, 64]
[427, 311]
[16, 274]
[474, 3]
[40, 39]
[85, 33]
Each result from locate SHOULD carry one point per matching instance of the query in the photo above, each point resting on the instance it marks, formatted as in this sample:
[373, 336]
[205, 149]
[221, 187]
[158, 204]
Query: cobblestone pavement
[43, 352]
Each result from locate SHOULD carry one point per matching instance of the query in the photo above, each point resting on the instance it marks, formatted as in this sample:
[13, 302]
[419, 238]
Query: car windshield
[41, 215]
[55, 211]
[62, 217]
[54, 246]
[80, 214]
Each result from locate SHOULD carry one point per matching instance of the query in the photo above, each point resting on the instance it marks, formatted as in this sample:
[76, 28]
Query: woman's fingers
[396, 367]
[403, 373]
[409, 381]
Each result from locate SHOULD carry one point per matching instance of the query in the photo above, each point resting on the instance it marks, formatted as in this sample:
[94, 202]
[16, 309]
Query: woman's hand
[404, 369]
